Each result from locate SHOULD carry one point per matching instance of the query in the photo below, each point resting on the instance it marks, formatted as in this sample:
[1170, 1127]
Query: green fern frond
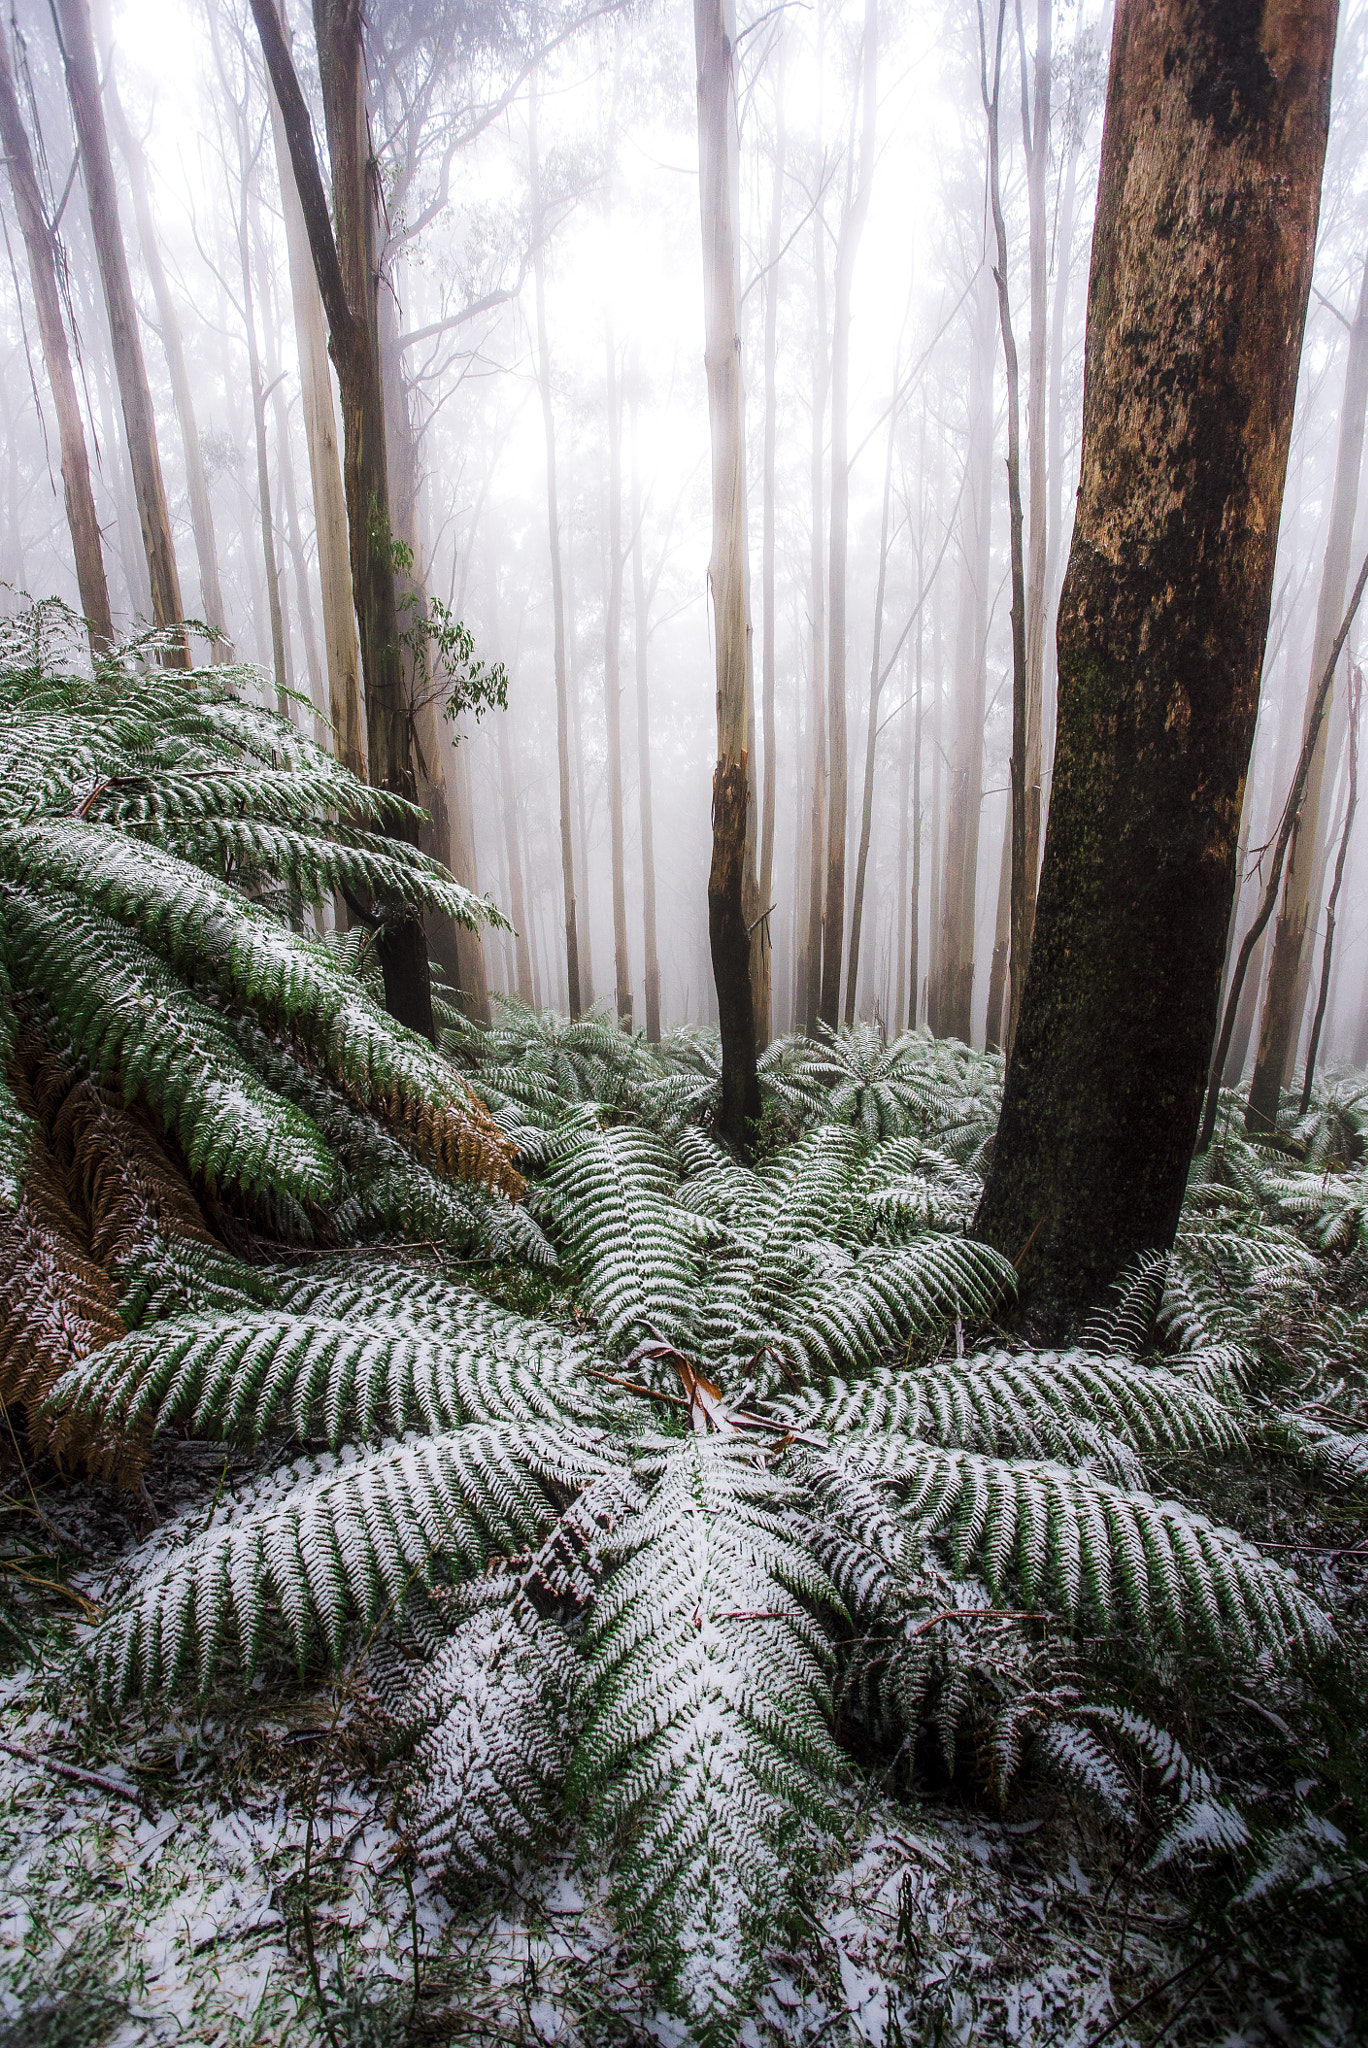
[363, 1374]
[1082, 1547]
[134, 1023]
[610, 1194]
[706, 1735]
[1060, 1405]
[331, 1543]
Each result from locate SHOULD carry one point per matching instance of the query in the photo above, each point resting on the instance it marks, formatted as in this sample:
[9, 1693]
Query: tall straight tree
[1281, 1009]
[729, 884]
[97, 168]
[345, 266]
[1035, 130]
[641, 628]
[612, 685]
[876, 682]
[345, 707]
[773, 256]
[173, 347]
[1017, 854]
[858, 186]
[964, 783]
[39, 243]
[1216, 118]
[572, 963]
[816, 876]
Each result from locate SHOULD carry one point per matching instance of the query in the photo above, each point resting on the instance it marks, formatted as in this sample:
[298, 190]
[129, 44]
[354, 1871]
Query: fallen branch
[94, 1779]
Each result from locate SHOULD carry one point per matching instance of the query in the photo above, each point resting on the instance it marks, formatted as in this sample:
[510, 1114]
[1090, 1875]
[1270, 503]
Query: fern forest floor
[184, 1912]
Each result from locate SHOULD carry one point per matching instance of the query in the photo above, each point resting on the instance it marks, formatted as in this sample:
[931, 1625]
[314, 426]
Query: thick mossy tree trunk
[1206, 222]
[346, 269]
[729, 884]
[38, 240]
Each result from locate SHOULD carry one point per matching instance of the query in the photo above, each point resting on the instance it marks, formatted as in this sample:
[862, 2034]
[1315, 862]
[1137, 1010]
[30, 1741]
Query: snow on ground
[184, 1923]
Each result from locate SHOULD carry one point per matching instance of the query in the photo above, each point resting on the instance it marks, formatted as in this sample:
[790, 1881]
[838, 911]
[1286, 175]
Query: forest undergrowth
[480, 1562]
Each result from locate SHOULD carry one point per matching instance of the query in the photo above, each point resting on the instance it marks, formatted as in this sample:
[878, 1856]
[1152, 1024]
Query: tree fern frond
[330, 1543]
[57, 1306]
[317, 863]
[133, 1022]
[16, 1126]
[610, 1193]
[706, 1733]
[1082, 1547]
[490, 1768]
[1064, 1405]
[241, 1376]
[203, 928]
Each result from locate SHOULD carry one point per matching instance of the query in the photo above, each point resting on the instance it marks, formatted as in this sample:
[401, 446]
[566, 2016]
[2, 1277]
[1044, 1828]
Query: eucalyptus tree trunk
[82, 518]
[1056, 523]
[438, 769]
[280, 415]
[729, 884]
[258, 396]
[1282, 1008]
[852, 226]
[83, 87]
[1220, 121]
[342, 244]
[572, 961]
[168, 321]
[1002, 938]
[1025, 717]
[872, 726]
[612, 689]
[641, 628]
[573, 674]
[1035, 128]
[914, 934]
[346, 710]
[517, 895]
[964, 781]
[900, 886]
[812, 994]
[772, 261]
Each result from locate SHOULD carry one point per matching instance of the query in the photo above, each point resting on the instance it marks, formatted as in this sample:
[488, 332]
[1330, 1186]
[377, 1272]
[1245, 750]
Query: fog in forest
[542, 303]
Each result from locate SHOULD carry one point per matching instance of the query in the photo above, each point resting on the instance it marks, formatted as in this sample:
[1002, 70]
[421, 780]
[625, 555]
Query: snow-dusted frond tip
[610, 1194]
[330, 1542]
[1078, 1546]
[136, 1024]
[707, 1733]
[1065, 1405]
[241, 1376]
[490, 1768]
[202, 926]
[850, 1314]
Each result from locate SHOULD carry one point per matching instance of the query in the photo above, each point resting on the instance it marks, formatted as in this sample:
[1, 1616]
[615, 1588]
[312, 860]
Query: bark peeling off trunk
[1206, 220]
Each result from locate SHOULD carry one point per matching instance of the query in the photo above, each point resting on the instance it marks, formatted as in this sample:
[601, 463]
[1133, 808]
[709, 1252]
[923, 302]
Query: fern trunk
[1190, 375]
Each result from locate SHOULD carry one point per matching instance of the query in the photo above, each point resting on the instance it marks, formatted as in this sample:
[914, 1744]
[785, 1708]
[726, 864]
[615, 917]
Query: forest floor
[234, 1883]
